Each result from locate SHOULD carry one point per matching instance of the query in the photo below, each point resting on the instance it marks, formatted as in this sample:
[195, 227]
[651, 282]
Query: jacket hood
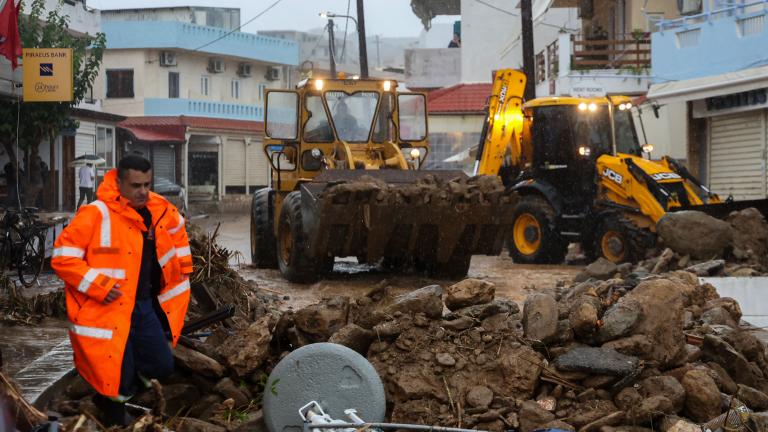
[110, 193]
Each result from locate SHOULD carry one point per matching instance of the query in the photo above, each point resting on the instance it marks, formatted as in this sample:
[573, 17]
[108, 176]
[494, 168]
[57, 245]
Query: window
[173, 85]
[235, 89]
[105, 144]
[204, 87]
[120, 83]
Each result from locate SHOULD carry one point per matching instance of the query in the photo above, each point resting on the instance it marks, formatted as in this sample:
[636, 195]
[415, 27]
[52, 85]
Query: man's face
[134, 187]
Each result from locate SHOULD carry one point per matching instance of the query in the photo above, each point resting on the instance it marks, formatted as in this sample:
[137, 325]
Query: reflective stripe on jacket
[101, 248]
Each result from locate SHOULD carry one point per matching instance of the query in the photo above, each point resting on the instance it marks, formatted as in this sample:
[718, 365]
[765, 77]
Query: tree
[38, 121]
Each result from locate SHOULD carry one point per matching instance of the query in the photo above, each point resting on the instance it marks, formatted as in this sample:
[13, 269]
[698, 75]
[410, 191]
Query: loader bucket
[722, 210]
[422, 215]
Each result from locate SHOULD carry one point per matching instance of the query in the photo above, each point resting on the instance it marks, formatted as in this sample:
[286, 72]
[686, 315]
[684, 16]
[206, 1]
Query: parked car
[172, 191]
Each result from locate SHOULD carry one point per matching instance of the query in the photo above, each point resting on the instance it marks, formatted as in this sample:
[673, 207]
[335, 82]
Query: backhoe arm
[503, 125]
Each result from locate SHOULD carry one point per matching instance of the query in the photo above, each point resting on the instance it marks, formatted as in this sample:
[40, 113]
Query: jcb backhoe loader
[582, 175]
[344, 155]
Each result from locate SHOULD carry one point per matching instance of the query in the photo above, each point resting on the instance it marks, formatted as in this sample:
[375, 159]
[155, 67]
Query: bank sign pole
[48, 75]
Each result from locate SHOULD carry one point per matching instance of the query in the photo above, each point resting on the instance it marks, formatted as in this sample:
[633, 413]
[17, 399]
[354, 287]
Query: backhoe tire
[619, 240]
[534, 238]
[263, 242]
[293, 244]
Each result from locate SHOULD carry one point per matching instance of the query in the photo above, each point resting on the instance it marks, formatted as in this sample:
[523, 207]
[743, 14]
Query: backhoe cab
[345, 181]
[582, 175]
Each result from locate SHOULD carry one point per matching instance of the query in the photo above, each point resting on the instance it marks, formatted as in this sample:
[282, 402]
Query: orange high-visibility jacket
[102, 247]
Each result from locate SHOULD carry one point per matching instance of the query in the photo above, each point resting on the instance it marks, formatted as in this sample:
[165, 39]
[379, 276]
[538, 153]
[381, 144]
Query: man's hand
[112, 295]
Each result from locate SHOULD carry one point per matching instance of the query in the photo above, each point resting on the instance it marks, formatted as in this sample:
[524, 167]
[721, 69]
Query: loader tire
[618, 240]
[293, 245]
[534, 238]
[263, 242]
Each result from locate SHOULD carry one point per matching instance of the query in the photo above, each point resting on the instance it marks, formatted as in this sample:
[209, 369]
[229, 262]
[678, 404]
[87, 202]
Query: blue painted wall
[201, 108]
[177, 35]
[720, 47]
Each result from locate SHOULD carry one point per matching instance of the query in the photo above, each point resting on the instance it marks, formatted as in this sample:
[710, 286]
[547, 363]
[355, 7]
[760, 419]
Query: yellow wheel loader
[344, 157]
[582, 175]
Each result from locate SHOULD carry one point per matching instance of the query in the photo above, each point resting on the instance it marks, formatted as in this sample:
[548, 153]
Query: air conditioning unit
[167, 58]
[215, 66]
[244, 69]
[689, 7]
[273, 73]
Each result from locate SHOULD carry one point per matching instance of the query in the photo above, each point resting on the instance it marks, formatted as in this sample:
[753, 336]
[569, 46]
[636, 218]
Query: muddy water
[36, 356]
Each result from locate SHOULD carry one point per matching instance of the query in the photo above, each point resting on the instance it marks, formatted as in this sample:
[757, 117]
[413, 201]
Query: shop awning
[705, 87]
[174, 128]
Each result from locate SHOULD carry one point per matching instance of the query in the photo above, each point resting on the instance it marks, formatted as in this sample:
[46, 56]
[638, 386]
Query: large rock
[520, 369]
[750, 234]
[483, 311]
[197, 362]
[660, 298]
[602, 361]
[540, 317]
[469, 292]
[353, 336]
[227, 388]
[703, 397]
[753, 398]
[619, 320]
[601, 269]
[532, 416]
[479, 397]
[717, 350]
[584, 314]
[666, 386]
[695, 233]
[246, 350]
[428, 300]
[649, 409]
[707, 268]
[323, 319]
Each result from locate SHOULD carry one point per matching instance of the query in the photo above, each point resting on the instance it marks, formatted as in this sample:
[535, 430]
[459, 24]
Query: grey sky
[384, 17]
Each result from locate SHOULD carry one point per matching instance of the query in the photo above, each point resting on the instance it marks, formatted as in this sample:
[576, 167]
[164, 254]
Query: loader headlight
[387, 86]
[319, 84]
[583, 106]
[585, 151]
[316, 153]
[312, 160]
[415, 153]
[648, 148]
[592, 107]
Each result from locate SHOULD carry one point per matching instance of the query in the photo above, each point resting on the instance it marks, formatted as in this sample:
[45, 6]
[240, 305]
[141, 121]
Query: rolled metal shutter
[737, 145]
[258, 166]
[234, 163]
[164, 162]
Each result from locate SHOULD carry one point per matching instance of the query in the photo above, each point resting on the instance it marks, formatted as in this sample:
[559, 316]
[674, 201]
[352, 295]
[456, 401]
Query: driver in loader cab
[346, 124]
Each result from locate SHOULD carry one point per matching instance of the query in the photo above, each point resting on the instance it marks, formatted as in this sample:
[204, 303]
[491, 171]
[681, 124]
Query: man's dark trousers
[147, 351]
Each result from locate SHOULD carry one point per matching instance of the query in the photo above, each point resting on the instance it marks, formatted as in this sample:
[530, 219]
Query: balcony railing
[202, 108]
[632, 51]
[754, 7]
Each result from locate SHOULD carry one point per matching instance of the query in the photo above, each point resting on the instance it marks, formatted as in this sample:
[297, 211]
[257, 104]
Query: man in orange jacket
[125, 261]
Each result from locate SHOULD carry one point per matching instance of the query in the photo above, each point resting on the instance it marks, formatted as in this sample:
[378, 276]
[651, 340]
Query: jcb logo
[665, 176]
[613, 175]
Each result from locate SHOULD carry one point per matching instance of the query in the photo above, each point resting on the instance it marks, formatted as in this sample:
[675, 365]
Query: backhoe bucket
[423, 215]
[722, 210]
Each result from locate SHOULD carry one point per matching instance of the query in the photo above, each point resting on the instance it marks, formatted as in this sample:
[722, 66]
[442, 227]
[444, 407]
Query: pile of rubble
[428, 189]
[736, 246]
[625, 354]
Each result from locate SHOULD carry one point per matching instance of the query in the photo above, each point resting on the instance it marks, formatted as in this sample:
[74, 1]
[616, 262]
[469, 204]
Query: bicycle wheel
[31, 257]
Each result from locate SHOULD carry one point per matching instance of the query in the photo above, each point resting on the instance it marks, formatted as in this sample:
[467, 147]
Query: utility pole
[332, 61]
[526, 15]
[361, 40]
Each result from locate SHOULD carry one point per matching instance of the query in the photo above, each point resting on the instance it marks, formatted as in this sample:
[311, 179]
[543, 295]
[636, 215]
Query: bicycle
[22, 243]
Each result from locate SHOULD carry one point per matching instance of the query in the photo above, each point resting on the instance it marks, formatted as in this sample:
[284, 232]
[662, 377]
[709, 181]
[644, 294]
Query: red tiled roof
[459, 99]
[173, 128]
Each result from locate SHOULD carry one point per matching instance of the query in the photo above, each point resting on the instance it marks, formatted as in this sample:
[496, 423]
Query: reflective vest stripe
[116, 273]
[88, 279]
[183, 251]
[68, 251]
[177, 290]
[106, 230]
[94, 332]
[167, 257]
[178, 227]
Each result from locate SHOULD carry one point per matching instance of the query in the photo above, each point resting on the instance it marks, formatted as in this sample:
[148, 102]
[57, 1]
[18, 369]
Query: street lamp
[360, 26]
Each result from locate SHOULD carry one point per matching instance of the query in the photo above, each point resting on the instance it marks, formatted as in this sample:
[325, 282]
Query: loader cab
[567, 135]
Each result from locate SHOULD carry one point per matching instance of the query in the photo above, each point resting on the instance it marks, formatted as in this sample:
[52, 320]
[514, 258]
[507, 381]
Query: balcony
[576, 66]
[201, 108]
[432, 67]
[192, 37]
[711, 43]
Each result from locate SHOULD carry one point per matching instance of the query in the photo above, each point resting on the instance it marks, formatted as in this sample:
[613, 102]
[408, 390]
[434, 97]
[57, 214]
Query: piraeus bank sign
[731, 103]
[48, 75]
